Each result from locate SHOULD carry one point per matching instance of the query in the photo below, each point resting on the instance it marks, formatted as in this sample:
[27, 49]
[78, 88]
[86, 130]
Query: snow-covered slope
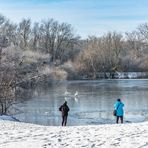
[24, 135]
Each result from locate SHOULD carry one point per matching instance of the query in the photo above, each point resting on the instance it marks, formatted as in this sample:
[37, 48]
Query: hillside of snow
[24, 135]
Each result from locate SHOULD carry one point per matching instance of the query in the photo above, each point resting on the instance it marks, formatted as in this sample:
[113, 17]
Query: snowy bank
[6, 117]
[24, 135]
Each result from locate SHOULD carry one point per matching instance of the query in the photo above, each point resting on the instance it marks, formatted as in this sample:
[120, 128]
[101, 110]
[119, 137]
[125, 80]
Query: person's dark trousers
[121, 118]
[64, 120]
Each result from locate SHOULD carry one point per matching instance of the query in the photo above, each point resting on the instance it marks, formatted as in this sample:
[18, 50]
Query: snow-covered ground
[24, 135]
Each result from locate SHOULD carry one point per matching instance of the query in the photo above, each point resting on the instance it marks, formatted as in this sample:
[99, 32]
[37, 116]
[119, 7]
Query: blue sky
[88, 17]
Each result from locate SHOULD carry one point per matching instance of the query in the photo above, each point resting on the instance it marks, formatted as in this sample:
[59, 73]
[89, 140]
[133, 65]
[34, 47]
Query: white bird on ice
[67, 93]
[68, 96]
[76, 94]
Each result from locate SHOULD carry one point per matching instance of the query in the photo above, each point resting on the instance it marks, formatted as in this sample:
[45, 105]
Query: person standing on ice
[64, 109]
[118, 106]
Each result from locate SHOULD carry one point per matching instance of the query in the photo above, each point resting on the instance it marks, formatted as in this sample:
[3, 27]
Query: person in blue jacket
[119, 110]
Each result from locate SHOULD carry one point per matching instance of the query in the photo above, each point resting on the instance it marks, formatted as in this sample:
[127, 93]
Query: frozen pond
[94, 104]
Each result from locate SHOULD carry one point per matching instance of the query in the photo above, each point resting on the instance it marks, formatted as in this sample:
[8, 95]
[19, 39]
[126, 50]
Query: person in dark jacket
[118, 106]
[64, 109]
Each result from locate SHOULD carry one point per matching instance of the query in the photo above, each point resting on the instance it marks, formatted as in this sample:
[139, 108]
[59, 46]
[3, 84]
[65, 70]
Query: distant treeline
[126, 52]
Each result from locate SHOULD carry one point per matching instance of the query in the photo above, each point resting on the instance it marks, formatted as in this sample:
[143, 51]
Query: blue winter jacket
[119, 108]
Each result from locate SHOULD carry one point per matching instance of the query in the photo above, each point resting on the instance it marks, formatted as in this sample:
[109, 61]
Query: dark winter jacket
[64, 109]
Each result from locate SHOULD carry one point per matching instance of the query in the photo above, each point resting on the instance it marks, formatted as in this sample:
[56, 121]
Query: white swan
[68, 96]
[76, 94]
[67, 93]
[76, 99]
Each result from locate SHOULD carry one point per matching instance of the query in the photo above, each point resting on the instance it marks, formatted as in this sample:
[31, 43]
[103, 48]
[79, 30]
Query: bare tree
[35, 37]
[143, 31]
[9, 30]
[2, 20]
[11, 90]
[3, 44]
[6, 90]
[134, 43]
[57, 38]
[48, 35]
[24, 32]
[65, 41]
